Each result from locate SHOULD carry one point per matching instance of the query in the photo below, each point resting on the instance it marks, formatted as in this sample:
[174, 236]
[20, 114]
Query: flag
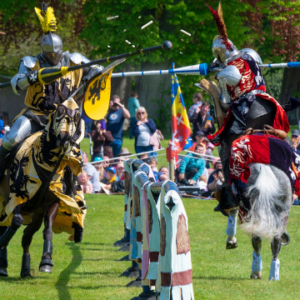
[181, 129]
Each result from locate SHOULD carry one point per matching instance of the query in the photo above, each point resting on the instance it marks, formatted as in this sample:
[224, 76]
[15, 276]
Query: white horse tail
[270, 195]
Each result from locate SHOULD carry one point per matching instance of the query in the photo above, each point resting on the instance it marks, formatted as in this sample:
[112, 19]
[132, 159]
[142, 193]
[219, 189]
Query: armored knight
[44, 92]
[243, 96]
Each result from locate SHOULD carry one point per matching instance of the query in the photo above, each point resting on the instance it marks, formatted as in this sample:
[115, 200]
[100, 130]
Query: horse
[270, 199]
[32, 191]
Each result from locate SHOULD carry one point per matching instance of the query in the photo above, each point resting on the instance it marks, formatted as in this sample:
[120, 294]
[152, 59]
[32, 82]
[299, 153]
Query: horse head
[66, 121]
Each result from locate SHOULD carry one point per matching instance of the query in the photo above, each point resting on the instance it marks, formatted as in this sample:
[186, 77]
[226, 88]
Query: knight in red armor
[243, 96]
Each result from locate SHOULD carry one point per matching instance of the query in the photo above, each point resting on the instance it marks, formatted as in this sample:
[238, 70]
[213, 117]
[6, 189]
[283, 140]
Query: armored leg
[227, 200]
[19, 130]
[256, 261]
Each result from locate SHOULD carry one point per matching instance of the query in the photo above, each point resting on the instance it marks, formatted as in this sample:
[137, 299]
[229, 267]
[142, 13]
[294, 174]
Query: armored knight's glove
[215, 64]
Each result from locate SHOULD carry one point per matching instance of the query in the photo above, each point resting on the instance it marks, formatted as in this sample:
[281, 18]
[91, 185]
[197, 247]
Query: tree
[276, 26]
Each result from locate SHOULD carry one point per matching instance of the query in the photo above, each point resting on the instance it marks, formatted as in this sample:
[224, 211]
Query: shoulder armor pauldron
[29, 61]
[78, 58]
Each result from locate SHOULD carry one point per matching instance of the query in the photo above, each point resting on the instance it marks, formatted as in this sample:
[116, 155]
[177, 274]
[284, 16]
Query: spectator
[296, 135]
[202, 121]
[123, 155]
[88, 122]
[93, 174]
[216, 178]
[110, 176]
[120, 175]
[133, 105]
[200, 138]
[99, 167]
[164, 171]
[197, 100]
[153, 164]
[295, 145]
[102, 140]
[144, 156]
[142, 131]
[115, 118]
[191, 167]
[84, 182]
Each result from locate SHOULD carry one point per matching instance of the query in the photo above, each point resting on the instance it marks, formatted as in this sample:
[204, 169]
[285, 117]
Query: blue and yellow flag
[181, 129]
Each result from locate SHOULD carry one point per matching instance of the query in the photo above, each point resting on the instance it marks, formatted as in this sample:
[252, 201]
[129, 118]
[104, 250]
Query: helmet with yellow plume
[51, 43]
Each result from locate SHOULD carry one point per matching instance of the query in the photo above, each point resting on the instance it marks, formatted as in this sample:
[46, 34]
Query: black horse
[31, 198]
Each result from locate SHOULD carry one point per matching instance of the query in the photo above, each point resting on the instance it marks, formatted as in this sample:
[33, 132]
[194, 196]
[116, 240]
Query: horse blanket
[264, 149]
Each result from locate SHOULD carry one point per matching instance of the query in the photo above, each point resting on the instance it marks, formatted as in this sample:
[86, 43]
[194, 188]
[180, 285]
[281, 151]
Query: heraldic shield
[97, 96]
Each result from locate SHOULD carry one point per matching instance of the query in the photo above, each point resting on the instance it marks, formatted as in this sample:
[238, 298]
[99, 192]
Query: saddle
[267, 130]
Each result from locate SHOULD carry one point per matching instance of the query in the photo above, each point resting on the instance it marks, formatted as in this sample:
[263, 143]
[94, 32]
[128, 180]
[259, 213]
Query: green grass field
[91, 269]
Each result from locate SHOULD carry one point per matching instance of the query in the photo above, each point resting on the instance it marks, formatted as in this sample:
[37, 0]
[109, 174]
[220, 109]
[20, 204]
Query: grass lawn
[91, 269]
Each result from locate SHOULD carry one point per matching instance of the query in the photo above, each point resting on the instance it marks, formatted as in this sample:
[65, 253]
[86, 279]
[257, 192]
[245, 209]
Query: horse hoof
[46, 269]
[3, 272]
[256, 275]
[231, 243]
[25, 274]
[285, 239]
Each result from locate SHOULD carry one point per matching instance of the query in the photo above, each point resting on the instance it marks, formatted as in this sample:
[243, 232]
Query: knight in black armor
[43, 95]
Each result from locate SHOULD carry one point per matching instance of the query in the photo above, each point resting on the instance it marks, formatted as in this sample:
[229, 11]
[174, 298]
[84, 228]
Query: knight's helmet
[222, 47]
[51, 43]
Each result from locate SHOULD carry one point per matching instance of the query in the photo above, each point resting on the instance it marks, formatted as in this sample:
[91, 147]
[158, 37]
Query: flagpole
[171, 162]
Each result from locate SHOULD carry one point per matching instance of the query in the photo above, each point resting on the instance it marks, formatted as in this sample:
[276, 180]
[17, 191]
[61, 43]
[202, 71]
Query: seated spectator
[164, 174]
[124, 154]
[110, 175]
[202, 183]
[120, 175]
[84, 182]
[191, 167]
[102, 140]
[200, 138]
[99, 167]
[93, 174]
[202, 121]
[216, 178]
[142, 131]
[295, 145]
[153, 164]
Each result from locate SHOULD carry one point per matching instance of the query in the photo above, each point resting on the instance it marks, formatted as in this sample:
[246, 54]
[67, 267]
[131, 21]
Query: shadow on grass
[64, 277]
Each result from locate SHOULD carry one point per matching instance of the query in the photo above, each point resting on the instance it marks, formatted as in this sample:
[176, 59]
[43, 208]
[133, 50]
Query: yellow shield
[97, 97]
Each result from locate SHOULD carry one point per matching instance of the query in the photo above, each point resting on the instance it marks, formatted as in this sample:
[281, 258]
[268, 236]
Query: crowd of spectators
[106, 173]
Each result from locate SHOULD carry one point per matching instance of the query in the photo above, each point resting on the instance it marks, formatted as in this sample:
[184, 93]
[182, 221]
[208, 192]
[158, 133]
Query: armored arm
[21, 80]
[88, 72]
[229, 76]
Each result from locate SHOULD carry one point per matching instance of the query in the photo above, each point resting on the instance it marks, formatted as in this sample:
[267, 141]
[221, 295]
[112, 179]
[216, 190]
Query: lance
[200, 69]
[48, 75]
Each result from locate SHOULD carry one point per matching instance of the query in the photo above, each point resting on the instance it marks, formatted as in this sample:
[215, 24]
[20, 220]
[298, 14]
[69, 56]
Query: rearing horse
[33, 189]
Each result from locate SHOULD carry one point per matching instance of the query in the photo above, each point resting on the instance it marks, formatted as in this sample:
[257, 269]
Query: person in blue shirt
[115, 118]
[133, 105]
[191, 167]
[1, 129]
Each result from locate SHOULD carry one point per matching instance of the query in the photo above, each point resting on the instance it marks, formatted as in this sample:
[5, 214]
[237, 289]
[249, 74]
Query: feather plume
[47, 19]
[218, 16]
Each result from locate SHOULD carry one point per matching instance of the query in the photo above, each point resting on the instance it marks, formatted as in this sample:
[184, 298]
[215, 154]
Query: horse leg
[231, 242]
[29, 231]
[16, 223]
[3, 257]
[256, 261]
[275, 263]
[50, 215]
